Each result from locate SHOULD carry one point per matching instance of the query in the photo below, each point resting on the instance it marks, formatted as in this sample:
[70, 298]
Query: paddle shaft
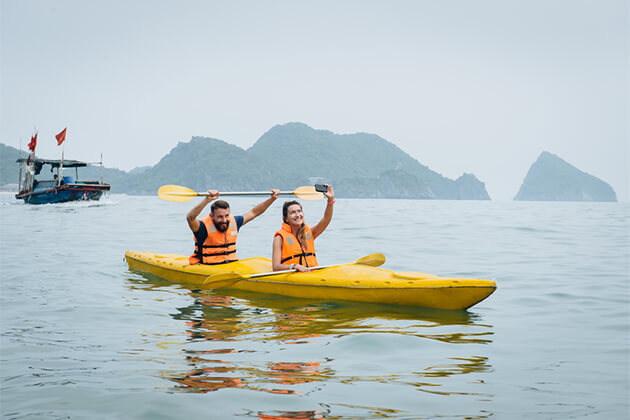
[181, 194]
[229, 278]
[272, 273]
[251, 193]
[227, 193]
[373, 260]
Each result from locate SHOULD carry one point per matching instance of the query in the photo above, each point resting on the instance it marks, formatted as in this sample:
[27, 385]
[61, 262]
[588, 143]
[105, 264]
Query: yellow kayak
[340, 282]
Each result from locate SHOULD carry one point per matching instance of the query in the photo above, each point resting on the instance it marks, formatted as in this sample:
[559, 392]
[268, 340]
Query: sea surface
[82, 337]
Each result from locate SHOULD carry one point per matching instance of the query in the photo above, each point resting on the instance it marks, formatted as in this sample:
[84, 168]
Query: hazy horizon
[463, 87]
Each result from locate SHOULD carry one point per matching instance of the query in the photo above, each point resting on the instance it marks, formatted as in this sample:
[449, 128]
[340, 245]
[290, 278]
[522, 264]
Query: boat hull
[65, 193]
[344, 282]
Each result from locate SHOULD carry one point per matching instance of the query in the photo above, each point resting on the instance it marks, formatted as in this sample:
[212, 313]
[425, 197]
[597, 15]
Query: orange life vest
[292, 251]
[219, 247]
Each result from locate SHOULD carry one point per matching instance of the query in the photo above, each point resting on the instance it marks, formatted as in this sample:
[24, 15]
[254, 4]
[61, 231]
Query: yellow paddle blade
[308, 193]
[218, 281]
[373, 260]
[176, 193]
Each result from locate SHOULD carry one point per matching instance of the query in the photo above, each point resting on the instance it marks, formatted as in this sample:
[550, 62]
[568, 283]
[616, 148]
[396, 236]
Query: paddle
[181, 194]
[221, 280]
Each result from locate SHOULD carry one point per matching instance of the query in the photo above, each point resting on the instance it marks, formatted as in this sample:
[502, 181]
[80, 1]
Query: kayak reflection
[243, 315]
[246, 316]
[292, 415]
[208, 374]
[230, 340]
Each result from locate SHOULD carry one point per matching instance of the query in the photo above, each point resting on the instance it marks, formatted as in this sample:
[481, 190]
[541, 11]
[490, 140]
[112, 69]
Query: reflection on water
[553, 343]
[292, 415]
[242, 315]
[207, 374]
[243, 319]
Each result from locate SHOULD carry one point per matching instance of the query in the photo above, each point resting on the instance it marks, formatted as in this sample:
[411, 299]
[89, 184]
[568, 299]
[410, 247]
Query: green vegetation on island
[358, 165]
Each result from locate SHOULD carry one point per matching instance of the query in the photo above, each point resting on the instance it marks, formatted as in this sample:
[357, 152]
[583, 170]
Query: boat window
[45, 185]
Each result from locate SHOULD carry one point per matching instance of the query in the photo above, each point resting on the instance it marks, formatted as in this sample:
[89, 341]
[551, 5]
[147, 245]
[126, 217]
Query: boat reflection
[207, 374]
[241, 315]
[292, 415]
[230, 340]
[298, 321]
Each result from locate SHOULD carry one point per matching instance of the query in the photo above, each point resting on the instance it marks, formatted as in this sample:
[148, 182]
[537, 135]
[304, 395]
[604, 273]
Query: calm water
[82, 337]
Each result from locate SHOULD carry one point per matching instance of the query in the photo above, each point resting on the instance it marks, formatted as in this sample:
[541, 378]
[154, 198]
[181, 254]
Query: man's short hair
[219, 204]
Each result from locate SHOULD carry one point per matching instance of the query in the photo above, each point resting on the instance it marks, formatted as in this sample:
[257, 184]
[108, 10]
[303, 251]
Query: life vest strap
[303, 254]
[219, 253]
[216, 246]
[221, 262]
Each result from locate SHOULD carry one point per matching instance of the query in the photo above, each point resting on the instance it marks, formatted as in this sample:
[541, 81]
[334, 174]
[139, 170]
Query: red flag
[61, 136]
[32, 143]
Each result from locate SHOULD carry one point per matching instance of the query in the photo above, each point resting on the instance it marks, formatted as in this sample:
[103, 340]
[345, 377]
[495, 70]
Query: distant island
[552, 179]
[358, 165]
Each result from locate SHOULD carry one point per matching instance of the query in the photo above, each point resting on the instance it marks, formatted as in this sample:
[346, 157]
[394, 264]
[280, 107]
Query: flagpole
[60, 175]
[26, 183]
[61, 138]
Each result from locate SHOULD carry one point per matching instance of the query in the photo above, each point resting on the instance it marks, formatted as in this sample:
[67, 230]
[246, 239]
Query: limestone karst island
[552, 179]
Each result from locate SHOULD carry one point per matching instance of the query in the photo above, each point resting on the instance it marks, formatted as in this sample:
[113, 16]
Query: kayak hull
[343, 282]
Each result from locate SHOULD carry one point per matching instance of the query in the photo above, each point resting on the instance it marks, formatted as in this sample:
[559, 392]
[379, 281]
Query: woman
[294, 243]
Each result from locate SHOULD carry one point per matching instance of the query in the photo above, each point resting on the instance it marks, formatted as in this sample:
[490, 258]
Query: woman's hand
[300, 268]
[330, 194]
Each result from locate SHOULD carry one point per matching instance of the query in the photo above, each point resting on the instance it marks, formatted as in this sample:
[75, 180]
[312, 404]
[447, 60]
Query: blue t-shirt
[202, 233]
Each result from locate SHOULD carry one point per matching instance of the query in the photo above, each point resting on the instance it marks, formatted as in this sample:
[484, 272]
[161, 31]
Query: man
[215, 234]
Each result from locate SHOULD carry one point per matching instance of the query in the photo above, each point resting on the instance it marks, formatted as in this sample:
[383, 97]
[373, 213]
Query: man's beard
[221, 227]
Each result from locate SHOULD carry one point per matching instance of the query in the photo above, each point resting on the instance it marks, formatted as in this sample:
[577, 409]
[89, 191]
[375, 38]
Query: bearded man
[216, 234]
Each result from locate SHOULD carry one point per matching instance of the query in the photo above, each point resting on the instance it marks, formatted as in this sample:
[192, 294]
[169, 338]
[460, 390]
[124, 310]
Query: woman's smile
[295, 215]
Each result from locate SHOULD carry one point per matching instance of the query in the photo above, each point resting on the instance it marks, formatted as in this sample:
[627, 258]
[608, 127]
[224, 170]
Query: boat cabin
[36, 189]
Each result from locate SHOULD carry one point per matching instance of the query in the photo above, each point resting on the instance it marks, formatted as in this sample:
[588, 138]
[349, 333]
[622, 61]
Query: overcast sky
[481, 87]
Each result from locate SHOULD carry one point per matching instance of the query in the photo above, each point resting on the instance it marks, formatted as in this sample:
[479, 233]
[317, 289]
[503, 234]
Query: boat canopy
[55, 163]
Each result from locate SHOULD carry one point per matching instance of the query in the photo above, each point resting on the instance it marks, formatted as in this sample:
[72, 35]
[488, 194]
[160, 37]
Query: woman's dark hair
[301, 233]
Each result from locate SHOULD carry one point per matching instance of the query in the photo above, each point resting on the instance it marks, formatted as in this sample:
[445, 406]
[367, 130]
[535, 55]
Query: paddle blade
[373, 260]
[308, 193]
[221, 280]
[176, 193]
